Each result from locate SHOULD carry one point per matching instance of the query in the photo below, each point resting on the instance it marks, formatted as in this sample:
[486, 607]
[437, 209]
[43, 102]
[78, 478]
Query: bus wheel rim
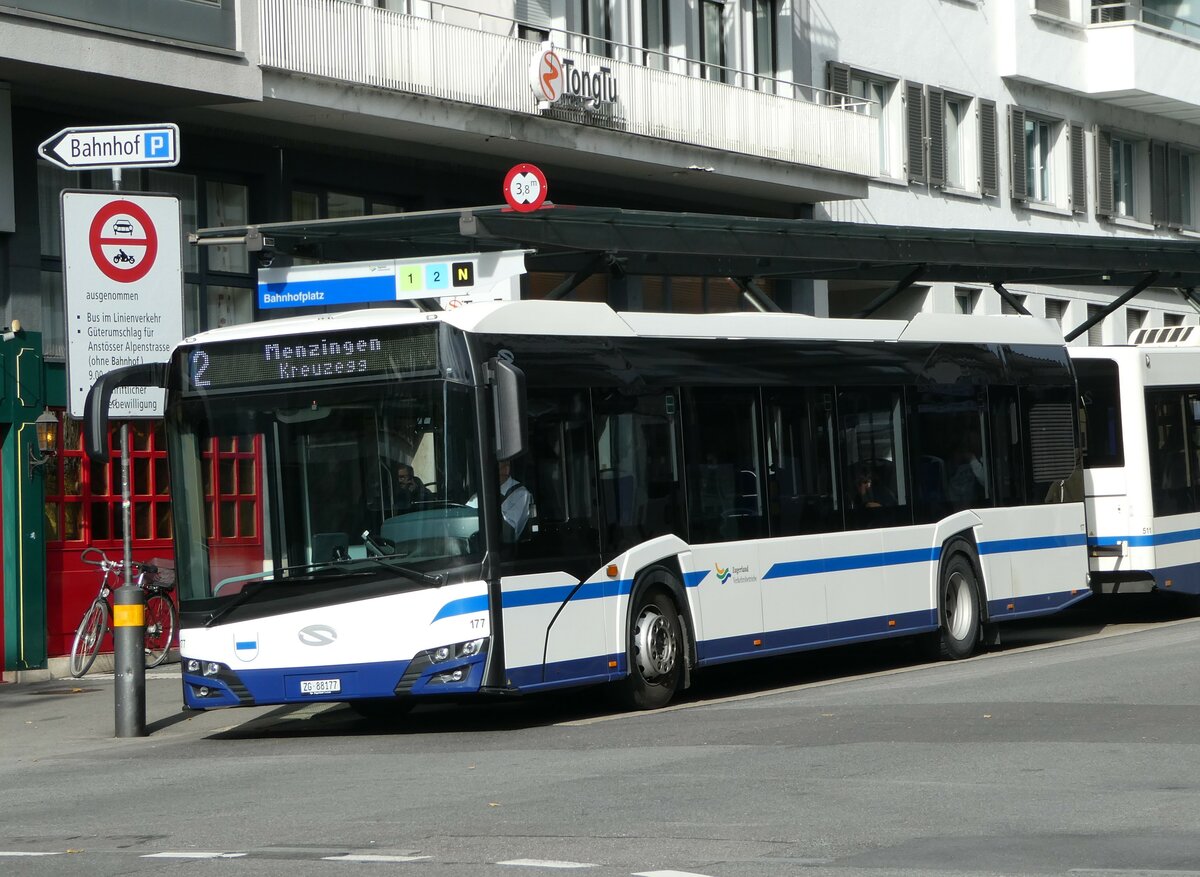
[958, 607]
[654, 644]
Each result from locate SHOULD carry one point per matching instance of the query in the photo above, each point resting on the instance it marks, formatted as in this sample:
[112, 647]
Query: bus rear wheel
[959, 610]
[654, 652]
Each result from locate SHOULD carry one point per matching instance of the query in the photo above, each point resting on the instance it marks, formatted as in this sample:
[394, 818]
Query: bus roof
[541, 317]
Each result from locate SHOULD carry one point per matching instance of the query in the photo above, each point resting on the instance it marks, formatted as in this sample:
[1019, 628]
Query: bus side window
[874, 469]
[800, 460]
[637, 455]
[559, 472]
[724, 470]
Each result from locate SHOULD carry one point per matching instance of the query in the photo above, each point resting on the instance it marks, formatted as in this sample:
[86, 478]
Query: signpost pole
[129, 617]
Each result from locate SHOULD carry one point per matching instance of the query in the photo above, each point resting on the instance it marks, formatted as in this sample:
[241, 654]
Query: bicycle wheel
[88, 637]
[160, 628]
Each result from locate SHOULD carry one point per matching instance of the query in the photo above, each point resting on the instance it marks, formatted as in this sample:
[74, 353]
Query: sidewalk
[49, 717]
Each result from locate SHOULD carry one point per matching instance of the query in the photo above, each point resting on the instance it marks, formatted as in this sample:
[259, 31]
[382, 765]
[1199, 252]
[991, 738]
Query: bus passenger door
[726, 515]
[549, 618]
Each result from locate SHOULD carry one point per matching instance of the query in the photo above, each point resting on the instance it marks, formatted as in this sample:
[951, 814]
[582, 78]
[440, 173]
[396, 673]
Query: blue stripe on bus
[854, 561]
[1149, 540]
[463, 606]
[246, 644]
[558, 594]
[1032, 543]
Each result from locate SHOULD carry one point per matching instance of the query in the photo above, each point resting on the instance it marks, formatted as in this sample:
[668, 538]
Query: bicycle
[160, 614]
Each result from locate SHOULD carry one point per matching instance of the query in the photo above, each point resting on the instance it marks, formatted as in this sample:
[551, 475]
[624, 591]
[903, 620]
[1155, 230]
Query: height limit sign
[124, 292]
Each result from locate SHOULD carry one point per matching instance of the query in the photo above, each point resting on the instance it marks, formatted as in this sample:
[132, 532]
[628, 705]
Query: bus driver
[516, 503]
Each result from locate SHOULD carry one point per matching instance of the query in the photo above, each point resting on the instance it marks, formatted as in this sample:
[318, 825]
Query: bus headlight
[468, 649]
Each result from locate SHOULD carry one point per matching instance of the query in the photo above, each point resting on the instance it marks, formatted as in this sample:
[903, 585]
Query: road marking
[354, 857]
[1163, 871]
[193, 855]
[15, 853]
[547, 863]
[667, 874]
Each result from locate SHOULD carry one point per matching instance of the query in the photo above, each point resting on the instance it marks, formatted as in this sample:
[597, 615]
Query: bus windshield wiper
[383, 556]
[254, 584]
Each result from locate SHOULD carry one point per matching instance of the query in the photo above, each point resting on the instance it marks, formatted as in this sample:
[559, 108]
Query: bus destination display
[289, 360]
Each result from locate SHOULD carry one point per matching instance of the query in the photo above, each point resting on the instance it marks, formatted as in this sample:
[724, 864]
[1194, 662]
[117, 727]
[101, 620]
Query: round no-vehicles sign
[123, 280]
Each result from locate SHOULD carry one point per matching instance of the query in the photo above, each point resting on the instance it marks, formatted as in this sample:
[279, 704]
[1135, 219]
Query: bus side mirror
[95, 409]
[512, 427]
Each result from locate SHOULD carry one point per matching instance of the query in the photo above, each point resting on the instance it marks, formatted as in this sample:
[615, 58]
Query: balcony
[1127, 54]
[1138, 53]
[461, 72]
[155, 53]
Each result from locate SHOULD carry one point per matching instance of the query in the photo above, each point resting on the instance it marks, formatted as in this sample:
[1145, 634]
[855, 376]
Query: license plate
[320, 686]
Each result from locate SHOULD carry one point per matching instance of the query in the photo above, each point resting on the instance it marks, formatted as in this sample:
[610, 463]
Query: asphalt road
[1074, 748]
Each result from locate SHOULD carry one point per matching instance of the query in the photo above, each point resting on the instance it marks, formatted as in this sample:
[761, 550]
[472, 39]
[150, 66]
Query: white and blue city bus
[702, 489]
[1141, 405]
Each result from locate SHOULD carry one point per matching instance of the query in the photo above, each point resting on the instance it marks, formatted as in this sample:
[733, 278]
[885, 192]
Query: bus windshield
[371, 484]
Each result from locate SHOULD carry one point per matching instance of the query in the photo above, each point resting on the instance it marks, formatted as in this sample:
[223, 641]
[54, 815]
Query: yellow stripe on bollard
[132, 615]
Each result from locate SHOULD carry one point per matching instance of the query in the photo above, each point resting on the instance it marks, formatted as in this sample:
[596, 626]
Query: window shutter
[1061, 8]
[989, 169]
[1078, 169]
[1018, 185]
[837, 78]
[1174, 176]
[936, 101]
[535, 12]
[1104, 176]
[914, 130]
[1158, 182]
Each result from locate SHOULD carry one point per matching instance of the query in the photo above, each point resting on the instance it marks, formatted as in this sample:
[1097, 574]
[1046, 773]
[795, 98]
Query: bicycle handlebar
[146, 571]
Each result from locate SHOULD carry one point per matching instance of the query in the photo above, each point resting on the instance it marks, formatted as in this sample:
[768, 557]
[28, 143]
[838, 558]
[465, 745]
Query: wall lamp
[47, 441]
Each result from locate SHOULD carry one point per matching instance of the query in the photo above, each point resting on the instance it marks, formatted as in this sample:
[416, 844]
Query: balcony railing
[486, 64]
[1147, 13]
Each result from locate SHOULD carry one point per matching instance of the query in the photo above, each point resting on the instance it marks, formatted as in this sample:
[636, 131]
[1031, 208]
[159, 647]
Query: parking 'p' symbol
[157, 145]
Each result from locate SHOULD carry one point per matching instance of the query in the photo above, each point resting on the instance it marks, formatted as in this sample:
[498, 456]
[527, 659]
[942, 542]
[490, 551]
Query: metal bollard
[129, 660]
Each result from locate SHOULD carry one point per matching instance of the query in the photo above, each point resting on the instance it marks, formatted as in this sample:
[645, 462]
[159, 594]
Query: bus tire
[655, 652]
[961, 621]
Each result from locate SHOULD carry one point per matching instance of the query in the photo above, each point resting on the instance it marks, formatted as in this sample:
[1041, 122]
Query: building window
[655, 32]
[965, 300]
[1134, 320]
[1095, 333]
[1039, 140]
[1044, 167]
[1170, 320]
[1056, 310]
[598, 23]
[955, 121]
[1008, 307]
[712, 42]
[872, 95]
[951, 163]
[1123, 177]
[766, 62]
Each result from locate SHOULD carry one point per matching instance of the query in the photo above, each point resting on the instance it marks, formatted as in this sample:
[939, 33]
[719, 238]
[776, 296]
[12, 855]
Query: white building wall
[1007, 52]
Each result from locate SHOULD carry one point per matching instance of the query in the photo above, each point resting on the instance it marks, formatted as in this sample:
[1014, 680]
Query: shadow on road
[1088, 618]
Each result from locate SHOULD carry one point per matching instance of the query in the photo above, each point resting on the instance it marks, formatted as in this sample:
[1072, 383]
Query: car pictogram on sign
[123, 241]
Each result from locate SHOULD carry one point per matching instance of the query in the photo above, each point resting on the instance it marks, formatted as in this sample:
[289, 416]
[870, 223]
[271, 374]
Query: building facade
[1045, 115]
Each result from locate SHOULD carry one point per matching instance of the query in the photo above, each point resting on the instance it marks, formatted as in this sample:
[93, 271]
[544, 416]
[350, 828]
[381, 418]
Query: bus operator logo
[546, 75]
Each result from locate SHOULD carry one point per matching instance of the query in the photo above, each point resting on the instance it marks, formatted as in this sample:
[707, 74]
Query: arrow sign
[113, 146]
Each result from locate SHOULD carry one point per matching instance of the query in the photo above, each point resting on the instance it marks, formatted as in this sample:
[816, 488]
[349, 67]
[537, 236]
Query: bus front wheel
[961, 619]
[655, 653]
